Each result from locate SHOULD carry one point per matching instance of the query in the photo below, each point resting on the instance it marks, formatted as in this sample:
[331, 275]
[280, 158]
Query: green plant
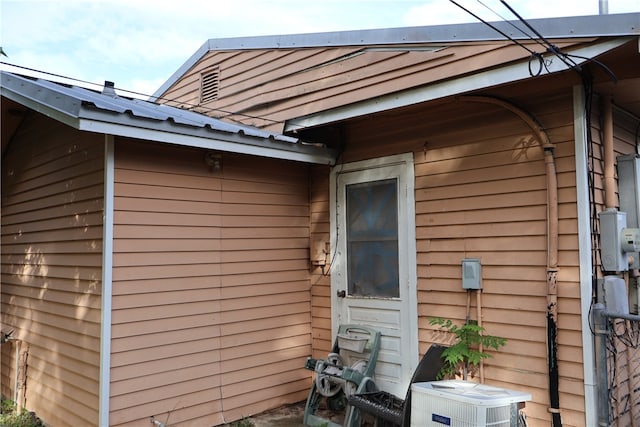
[11, 417]
[464, 356]
[245, 422]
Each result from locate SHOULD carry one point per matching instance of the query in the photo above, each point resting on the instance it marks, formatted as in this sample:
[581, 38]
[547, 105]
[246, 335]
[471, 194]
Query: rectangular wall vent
[209, 85]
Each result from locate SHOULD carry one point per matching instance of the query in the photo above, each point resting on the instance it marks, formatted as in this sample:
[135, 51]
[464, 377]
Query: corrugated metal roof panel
[107, 112]
[132, 106]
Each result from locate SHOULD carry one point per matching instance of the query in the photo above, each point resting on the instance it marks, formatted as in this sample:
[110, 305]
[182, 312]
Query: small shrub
[464, 356]
[245, 422]
[10, 417]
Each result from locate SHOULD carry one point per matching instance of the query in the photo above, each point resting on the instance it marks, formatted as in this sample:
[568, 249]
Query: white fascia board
[322, 156]
[494, 77]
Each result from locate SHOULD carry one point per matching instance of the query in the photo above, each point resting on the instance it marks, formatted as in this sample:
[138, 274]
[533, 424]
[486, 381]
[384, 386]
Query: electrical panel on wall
[629, 193]
[629, 199]
[318, 251]
[628, 185]
[471, 273]
[612, 222]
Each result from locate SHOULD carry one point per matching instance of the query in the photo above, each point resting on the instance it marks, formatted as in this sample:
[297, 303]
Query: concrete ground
[286, 416]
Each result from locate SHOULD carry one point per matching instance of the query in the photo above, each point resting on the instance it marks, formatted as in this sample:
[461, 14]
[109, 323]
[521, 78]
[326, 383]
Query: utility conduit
[552, 244]
[610, 187]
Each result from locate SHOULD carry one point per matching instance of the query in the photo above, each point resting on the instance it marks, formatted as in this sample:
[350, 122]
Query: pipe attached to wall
[552, 245]
[610, 185]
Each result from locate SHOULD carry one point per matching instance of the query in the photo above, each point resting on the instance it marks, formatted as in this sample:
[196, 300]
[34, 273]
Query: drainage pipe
[552, 246]
[610, 187]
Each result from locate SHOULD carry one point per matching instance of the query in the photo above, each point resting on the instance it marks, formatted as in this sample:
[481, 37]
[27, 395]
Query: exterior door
[373, 276]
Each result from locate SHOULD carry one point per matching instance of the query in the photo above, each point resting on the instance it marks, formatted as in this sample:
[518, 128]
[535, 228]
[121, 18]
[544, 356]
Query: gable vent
[210, 83]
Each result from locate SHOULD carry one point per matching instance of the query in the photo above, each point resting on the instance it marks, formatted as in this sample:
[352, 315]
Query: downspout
[552, 246]
[107, 266]
[610, 187]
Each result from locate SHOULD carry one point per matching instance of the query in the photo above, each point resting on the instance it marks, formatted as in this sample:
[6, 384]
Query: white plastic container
[464, 404]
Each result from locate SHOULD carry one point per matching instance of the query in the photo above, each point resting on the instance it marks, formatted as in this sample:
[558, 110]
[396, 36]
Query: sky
[139, 44]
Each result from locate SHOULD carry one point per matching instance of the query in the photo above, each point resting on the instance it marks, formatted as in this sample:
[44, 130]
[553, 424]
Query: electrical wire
[566, 58]
[550, 47]
[535, 57]
[192, 106]
[523, 32]
[493, 27]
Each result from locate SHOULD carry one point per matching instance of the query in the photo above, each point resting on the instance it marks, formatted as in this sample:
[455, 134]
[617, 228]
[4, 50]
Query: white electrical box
[471, 273]
[464, 404]
[612, 222]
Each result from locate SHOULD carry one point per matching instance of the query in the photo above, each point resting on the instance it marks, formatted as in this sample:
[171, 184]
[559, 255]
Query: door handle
[342, 294]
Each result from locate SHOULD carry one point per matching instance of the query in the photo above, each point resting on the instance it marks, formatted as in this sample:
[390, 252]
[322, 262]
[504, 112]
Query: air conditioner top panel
[470, 392]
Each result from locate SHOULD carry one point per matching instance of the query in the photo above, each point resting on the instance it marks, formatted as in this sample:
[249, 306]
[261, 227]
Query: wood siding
[52, 192]
[265, 87]
[320, 279]
[211, 300]
[481, 193]
[480, 186]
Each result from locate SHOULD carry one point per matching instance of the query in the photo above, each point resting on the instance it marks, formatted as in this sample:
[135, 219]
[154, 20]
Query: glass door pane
[372, 239]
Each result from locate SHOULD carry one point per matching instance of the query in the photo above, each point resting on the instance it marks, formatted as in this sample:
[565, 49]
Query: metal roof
[106, 112]
[552, 28]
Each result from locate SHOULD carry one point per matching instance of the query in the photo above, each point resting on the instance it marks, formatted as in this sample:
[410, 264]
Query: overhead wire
[493, 27]
[535, 56]
[192, 107]
[550, 47]
[511, 23]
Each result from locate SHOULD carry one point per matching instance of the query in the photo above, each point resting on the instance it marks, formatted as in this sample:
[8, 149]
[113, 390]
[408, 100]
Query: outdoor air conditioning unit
[464, 404]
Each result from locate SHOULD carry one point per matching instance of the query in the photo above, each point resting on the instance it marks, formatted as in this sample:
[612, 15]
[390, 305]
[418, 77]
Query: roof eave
[489, 78]
[85, 116]
[64, 111]
[144, 129]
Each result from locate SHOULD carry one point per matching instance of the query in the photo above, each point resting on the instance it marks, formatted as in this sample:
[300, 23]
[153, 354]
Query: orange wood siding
[481, 193]
[265, 87]
[320, 279]
[52, 191]
[211, 301]
[480, 186]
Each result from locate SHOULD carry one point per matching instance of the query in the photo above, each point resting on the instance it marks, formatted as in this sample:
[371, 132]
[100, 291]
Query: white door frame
[407, 248]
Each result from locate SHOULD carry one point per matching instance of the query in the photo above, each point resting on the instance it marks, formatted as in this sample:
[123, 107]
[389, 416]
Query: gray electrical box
[471, 273]
[628, 184]
[615, 295]
[612, 222]
[628, 193]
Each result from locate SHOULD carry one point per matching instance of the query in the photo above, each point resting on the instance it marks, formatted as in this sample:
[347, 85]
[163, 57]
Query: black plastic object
[390, 410]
